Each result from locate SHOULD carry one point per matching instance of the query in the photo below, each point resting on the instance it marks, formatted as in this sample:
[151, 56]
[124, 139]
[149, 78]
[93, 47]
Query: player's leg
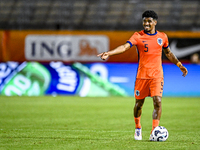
[156, 88]
[137, 111]
[141, 91]
[157, 111]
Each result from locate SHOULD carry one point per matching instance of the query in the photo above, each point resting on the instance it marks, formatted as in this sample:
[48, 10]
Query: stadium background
[49, 47]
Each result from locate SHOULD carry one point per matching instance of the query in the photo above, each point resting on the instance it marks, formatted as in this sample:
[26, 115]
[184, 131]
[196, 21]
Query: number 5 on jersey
[146, 47]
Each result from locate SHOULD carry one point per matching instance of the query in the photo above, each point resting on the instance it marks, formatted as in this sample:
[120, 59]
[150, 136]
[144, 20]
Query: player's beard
[147, 29]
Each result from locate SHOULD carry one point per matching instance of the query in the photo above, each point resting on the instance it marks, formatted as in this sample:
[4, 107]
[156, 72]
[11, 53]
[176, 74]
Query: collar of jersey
[149, 33]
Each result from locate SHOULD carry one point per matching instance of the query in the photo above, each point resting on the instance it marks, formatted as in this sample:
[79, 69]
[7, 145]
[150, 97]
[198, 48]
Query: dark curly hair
[150, 13]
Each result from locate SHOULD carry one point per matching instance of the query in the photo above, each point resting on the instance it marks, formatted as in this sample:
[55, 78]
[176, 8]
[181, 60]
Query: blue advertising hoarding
[90, 79]
[175, 84]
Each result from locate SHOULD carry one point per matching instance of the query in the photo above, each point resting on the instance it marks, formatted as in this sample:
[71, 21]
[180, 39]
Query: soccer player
[149, 79]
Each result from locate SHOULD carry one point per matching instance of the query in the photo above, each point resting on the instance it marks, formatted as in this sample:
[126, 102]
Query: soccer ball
[160, 133]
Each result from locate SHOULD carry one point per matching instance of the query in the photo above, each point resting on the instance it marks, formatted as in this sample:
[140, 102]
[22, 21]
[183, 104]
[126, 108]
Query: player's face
[149, 24]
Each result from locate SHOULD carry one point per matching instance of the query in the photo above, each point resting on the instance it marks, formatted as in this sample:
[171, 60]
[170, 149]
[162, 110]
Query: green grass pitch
[74, 123]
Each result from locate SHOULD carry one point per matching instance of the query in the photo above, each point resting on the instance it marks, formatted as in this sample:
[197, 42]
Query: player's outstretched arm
[118, 50]
[174, 60]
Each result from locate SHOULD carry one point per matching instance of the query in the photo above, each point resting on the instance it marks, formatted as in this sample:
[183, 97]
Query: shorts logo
[137, 92]
[160, 41]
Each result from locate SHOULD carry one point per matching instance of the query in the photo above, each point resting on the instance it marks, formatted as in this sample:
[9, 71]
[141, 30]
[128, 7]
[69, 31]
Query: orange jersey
[149, 47]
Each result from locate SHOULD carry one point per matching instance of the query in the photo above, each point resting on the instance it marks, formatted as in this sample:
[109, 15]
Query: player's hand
[184, 70]
[104, 55]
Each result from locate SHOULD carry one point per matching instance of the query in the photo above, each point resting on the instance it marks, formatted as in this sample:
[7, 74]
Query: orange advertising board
[69, 46]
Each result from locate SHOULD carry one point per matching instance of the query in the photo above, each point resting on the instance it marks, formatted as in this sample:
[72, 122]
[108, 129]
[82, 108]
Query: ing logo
[87, 49]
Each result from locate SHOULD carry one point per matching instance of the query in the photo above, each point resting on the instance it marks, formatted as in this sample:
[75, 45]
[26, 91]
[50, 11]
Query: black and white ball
[160, 133]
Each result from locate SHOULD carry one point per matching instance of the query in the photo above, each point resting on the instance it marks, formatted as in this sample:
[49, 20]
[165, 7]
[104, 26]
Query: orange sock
[137, 122]
[155, 124]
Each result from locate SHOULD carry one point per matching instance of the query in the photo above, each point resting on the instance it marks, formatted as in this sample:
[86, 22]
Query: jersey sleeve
[166, 42]
[133, 39]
